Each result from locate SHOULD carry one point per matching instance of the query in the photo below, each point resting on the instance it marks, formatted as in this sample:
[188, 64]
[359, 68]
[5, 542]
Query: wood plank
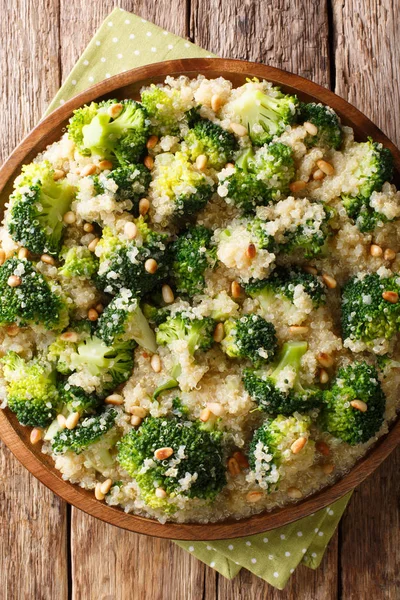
[33, 522]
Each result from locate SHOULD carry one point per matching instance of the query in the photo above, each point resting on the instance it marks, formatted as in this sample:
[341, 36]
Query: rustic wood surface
[49, 551]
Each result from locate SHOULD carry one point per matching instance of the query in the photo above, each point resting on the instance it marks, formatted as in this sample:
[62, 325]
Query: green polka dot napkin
[125, 41]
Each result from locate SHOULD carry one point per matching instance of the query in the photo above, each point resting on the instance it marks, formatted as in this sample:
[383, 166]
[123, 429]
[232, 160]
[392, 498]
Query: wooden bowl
[16, 437]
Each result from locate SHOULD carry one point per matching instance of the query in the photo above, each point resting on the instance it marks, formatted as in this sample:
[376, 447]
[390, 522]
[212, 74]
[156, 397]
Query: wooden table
[50, 551]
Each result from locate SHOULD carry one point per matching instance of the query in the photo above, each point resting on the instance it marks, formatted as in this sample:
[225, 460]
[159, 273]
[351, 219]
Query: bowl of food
[199, 299]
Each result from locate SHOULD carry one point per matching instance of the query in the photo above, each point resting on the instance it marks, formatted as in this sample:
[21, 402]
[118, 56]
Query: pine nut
[236, 289]
[160, 493]
[329, 281]
[105, 165]
[241, 460]
[138, 411]
[297, 186]
[215, 408]
[88, 170]
[229, 166]
[327, 469]
[135, 421]
[233, 467]
[389, 254]
[251, 251]
[324, 359]
[115, 109]
[163, 453]
[23, 253]
[240, 130]
[99, 307]
[375, 250]
[49, 260]
[359, 405]
[2, 256]
[98, 493]
[311, 270]
[93, 315]
[58, 174]
[325, 167]
[322, 448]
[298, 329]
[167, 294]
[14, 281]
[298, 445]
[144, 206]
[114, 399]
[72, 420]
[294, 493]
[155, 363]
[323, 376]
[216, 102]
[69, 336]
[318, 175]
[148, 162]
[205, 415]
[201, 162]
[106, 486]
[62, 421]
[69, 218]
[36, 436]
[151, 266]
[12, 330]
[152, 142]
[254, 497]
[88, 227]
[391, 297]
[93, 244]
[310, 128]
[218, 334]
[130, 230]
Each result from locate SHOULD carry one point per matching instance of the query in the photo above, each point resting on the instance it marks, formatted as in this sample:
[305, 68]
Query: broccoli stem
[291, 355]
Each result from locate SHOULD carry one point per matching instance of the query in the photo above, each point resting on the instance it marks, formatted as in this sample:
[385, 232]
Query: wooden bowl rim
[33, 459]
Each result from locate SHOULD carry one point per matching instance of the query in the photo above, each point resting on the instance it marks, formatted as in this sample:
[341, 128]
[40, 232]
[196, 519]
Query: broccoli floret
[195, 453]
[191, 256]
[372, 171]
[265, 115]
[274, 165]
[209, 139]
[33, 301]
[280, 391]
[155, 315]
[366, 314]
[75, 399]
[270, 449]
[123, 320]
[309, 239]
[330, 134]
[88, 431]
[250, 337]
[164, 109]
[121, 137]
[37, 206]
[198, 333]
[31, 390]
[132, 180]
[123, 262]
[355, 404]
[78, 262]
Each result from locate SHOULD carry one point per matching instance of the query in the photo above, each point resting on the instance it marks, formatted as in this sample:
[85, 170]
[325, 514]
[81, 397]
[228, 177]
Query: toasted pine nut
[318, 175]
[105, 165]
[130, 230]
[135, 420]
[14, 281]
[151, 265]
[325, 167]
[99, 307]
[144, 206]
[298, 329]
[297, 186]
[392, 297]
[251, 251]
[359, 405]
[236, 289]
[294, 493]
[233, 466]
[88, 227]
[311, 270]
[23, 253]
[389, 254]
[216, 102]
[216, 408]
[327, 469]
[322, 448]
[72, 420]
[88, 170]
[310, 128]
[2, 256]
[93, 315]
[167, 294]
[106, 486]
[205, 415]
[114, 399]
[92, 245]
[62, 421]
[49, 260]
[98, 493]
[323, 376]
[12, 330]
[241, 460]
[325, 359]
[155, 363]
[254, 497]
[114, 110]
[138, 411]
[160, 493]
[36, 435]
[218, 334]
[152, 142]
[148, 162]
[69, 336]
[69, 218]
[375, 250]
[298, 445]
[58, 174]
[329, 281]
[229, 166]
[201, 162]
[240, 130]
[163, 453]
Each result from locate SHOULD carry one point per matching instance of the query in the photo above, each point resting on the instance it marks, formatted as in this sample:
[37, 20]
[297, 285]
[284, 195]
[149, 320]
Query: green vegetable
[155, 315]
[78, 262]
[87, 432]
[165, 109]
[192, 254]
[132, 180]
[209, 139]
[75, 399]
[250, 337]
[329, 134]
